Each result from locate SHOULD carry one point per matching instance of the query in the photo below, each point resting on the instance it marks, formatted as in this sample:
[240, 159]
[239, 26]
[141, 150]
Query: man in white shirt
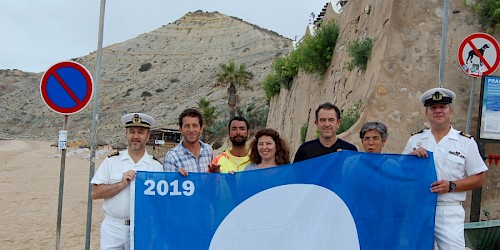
[459, 166]
[112, 180]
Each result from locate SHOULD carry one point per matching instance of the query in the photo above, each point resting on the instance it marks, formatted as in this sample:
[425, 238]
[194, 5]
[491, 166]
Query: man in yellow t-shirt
[234, 159]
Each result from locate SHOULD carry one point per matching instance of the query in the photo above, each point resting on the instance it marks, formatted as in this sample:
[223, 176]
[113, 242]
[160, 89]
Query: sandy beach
[29, 190]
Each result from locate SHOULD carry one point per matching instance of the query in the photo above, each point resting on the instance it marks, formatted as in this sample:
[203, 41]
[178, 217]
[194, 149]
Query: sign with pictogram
[489, 109]
[479, 54]
[67, 87]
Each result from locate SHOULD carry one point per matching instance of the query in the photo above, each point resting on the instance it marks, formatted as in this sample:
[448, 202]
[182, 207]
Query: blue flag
[345, 200]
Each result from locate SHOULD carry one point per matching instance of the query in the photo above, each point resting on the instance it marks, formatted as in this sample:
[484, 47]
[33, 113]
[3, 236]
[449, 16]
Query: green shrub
[208, 112]
[313, 55]
[219, 128]
[256, 116]
[271, 85]
[286, 68]
[350, 117]
[146, 94]
[315, 52]
[303, 133]
[489, 14]
[159, 90]
[360, 53]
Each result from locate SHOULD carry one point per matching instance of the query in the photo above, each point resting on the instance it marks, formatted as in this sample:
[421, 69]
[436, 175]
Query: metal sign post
[475, 209]
[444, 35]
[62, 145]
[471, 106]
[95, 118]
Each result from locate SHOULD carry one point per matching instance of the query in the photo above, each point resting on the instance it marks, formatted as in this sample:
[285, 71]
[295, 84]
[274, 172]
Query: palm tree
[209, 116]
[232, 75]
[207, 111]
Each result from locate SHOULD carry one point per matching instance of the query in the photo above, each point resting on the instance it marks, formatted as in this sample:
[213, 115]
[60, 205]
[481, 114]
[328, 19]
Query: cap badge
[437, 96]
[136, 119]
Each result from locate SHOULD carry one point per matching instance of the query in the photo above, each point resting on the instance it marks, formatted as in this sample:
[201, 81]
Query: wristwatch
[452, 186]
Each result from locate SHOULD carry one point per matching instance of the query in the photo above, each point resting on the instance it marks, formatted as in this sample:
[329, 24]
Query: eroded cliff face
[160, 73]
[404, 63]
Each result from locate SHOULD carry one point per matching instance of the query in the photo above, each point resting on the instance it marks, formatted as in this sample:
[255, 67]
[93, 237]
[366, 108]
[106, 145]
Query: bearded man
[235, 158]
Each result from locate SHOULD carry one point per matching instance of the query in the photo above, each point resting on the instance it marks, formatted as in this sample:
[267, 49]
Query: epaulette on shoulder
[419, 132]
[465, 135]
[114, 154]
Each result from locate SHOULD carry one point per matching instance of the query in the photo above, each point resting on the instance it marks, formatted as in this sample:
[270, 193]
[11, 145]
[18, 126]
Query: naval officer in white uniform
[459, 166]
[112, 179]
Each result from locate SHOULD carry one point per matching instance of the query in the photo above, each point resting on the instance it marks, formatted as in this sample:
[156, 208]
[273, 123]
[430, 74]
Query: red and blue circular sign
[67, 87]
[479, 55]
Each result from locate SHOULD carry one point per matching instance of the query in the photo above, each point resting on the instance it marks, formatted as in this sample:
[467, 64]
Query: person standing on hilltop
[327, 122]
[112, 180]
[459, 166]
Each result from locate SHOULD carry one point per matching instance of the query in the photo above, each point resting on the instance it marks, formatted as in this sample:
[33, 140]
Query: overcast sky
[35, 34]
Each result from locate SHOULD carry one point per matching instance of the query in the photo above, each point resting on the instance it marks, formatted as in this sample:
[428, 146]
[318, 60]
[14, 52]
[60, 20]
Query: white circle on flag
[295, 216]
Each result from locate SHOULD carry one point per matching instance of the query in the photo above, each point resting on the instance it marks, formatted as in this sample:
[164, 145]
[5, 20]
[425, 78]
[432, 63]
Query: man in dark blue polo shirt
[327, 121]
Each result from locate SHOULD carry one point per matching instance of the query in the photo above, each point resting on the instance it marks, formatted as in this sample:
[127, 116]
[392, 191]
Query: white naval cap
[437, 95]
[138, 120]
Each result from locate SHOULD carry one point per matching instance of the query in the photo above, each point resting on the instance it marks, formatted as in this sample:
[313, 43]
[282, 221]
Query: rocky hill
[159, 73]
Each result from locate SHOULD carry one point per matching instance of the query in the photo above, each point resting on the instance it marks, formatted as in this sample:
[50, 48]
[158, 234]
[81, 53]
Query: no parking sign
[67, 87]
[478, 54]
